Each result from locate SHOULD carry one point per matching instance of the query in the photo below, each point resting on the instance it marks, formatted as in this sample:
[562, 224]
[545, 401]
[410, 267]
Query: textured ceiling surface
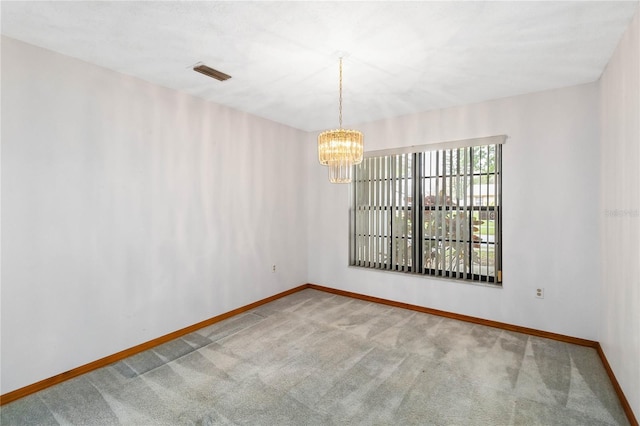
[400, 57]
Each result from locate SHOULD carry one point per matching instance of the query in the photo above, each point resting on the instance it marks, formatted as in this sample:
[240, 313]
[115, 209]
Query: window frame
[390, 192]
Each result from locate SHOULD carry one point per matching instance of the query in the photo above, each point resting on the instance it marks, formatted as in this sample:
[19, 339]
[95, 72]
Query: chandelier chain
[340, 97]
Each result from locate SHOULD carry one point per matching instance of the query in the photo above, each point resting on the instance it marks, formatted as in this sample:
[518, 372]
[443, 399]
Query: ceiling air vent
[203, 69]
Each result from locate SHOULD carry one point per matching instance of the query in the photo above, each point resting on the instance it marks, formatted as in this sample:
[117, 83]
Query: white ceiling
[401, 57]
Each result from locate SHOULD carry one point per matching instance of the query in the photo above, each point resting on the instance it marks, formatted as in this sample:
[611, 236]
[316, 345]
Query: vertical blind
[431, 210]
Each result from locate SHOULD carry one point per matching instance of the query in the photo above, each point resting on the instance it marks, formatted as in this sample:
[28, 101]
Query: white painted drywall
[620, 213]
[130, 211]
[550, 210]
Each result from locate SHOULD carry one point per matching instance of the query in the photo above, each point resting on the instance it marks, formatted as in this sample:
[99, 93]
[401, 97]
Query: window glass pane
[446, 240]
[402, 231]
[455, 196]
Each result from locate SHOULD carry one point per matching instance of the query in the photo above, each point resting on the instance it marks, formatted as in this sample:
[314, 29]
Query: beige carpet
[314, 358]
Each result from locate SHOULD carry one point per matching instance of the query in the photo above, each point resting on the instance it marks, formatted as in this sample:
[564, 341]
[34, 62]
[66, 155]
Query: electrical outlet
[540, 293]
[273, 268]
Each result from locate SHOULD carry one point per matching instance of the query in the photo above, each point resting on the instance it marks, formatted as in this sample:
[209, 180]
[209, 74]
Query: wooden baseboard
[466, 318]
[623, 399]
[103, 362]
[525, 330]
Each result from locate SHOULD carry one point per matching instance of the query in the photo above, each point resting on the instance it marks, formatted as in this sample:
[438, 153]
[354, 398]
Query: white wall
[620, 213]
[130, 211]
[550, 207]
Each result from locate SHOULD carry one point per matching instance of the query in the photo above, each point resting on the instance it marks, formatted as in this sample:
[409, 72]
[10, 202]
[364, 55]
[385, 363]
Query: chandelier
[340, 149]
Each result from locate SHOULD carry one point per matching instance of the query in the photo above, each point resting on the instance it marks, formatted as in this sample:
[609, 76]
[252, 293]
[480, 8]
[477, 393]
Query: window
[452, 190]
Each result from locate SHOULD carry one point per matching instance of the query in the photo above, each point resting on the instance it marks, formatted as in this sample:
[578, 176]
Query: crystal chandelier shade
[340, 149]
